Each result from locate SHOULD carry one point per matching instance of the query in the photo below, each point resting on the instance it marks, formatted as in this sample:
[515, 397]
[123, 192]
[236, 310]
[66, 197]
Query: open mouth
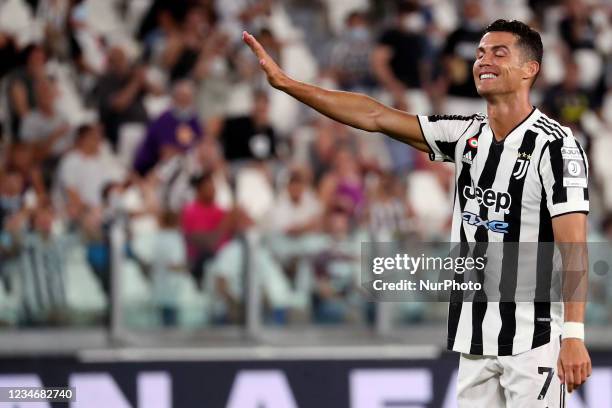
[487, 75]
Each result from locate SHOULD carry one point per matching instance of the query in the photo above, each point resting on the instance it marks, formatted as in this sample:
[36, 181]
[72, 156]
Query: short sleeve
[442, 132]
[67, 172]
[564, 171]
[29, 131]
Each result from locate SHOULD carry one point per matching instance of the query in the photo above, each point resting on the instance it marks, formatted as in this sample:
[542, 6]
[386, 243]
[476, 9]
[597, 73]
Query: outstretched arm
[353, 109]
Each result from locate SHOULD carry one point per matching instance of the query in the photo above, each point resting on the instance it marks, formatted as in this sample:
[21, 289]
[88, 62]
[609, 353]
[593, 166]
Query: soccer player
[520, 177]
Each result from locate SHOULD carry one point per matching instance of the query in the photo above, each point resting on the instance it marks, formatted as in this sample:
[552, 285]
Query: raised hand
[276, 77]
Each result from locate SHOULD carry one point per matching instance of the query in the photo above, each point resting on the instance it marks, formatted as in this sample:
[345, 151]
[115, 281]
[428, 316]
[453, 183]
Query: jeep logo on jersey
[500, 227]
[498, 200]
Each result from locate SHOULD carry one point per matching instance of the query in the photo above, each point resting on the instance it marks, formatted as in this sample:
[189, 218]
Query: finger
[560, 372]
[584, 372]
[589, 369]
[569, 379]
[577, 376]
[255, 46]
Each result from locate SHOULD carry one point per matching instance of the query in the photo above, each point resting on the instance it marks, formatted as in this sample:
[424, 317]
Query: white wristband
[573, 330]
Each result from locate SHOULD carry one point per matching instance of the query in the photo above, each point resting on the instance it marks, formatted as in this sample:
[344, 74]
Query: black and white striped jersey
[507, 192]
[38, 273]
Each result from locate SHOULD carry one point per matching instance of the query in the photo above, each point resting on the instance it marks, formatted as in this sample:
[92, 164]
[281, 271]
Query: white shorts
[526, 380]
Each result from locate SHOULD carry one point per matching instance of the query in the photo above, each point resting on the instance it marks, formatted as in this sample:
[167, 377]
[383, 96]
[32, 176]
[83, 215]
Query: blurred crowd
[150, 120]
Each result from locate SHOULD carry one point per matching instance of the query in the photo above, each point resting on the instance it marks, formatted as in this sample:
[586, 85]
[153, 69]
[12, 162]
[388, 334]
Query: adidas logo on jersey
[467, 158]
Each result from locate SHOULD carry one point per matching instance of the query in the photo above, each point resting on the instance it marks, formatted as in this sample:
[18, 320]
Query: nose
[484, 61]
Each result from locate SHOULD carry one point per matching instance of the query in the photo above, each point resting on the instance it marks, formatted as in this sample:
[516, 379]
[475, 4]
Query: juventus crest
[521, 166]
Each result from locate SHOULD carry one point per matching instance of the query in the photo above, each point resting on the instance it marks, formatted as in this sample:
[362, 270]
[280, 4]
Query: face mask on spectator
[474, 24]
[359, 33]
[413, 22]
[217, 67]
[11, 203]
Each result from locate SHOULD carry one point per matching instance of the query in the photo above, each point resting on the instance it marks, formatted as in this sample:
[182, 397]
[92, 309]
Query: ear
[530, 69]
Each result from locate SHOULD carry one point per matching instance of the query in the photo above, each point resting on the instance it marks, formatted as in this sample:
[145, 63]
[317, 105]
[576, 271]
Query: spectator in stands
[22, 95]
[350, 56]
[336, 270]
[206, 226]
[568, 101]
[576, 28]
[169, 259]
[401, 60]
[11, 195]
[37, 261]
[176, 131]
[45, 128]
[319, 153]
[432, 212]
[388, 209]
[96, 233]
[458, 57]
[343, 186]
[21, 160]
[174, 176]
[183, 46]
[214, 73]
[53, 16]
[9, 54]
[85, 170]
[249, 137]
[87, 48]
[296, 210]
[120, 92]
[162, 17]
[293, 227]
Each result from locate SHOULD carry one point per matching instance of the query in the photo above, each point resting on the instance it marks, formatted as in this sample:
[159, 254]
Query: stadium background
[190, 237]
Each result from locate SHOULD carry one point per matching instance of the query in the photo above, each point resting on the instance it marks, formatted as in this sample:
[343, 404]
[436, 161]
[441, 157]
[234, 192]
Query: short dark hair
[83, 130]
[527, 38]
[407, 6]
[199, 178]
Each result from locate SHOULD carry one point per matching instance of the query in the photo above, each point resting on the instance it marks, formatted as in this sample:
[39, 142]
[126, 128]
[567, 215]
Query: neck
[506, 113]
[205, 201]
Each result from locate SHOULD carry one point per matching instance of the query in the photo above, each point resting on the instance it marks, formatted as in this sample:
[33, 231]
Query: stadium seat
[192, 304]
[136, 297]
[9, 306]
[84, 293]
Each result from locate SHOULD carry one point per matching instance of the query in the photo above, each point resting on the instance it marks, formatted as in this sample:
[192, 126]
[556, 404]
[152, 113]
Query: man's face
[11, 184]
[43, 220]
[183, 96]
[260, 107]
[118, 61]
[206, 190]
[500, 65]
[295, 189]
